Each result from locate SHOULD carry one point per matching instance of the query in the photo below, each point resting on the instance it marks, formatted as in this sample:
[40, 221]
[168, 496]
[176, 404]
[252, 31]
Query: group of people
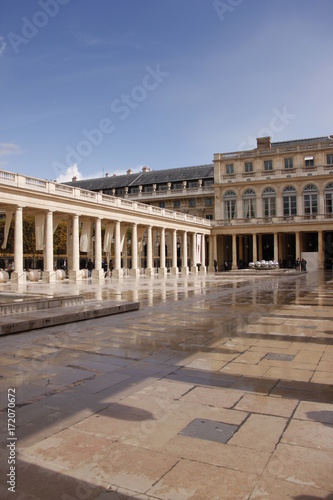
[300, 264]
[91, 266]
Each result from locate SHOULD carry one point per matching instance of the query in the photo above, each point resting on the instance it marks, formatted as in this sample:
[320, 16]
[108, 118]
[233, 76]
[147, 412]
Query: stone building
[189, 190]
[274, 202]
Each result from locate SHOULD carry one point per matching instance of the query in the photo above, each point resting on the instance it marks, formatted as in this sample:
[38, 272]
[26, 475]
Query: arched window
[310, 199]
[289, 196]
[328, 197]
[269, 202]
[230, 199]
[249, 204]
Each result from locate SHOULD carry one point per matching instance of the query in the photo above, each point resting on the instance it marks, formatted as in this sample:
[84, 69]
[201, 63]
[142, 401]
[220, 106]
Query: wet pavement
[220, 386]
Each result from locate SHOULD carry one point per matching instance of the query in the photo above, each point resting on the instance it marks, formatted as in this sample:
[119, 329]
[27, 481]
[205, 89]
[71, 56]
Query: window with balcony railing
[310, 199]
[269, 202]
[249, 204]
[328, 199]
[289, 197]
[230, 200]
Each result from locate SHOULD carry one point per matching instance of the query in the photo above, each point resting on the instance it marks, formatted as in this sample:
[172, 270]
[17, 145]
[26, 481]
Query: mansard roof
[144, 178]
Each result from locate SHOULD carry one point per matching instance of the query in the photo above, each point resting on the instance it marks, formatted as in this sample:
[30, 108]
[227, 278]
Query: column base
[49, 276]
[185, 270]
[203, 270]
[117, 273]
[97, 275]
[194, 270]
[135, 272]
[75, 276]
[162, 271]
[18, 278]
[149, 271]
[211, 269]
[174, 271]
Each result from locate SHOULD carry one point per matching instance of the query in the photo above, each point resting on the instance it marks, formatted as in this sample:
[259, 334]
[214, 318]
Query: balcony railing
[292, 219]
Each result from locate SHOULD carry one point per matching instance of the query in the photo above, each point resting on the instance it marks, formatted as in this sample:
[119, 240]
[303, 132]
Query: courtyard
[219, 386]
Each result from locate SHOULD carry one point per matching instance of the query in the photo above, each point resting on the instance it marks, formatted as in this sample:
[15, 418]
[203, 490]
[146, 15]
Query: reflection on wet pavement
[218, 387]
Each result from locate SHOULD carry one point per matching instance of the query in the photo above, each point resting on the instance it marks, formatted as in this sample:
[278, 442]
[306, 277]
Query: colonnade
[284, 245]
[179, 239]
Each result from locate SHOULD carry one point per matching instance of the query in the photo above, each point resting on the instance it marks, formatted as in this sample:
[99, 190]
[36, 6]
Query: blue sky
[96, 86]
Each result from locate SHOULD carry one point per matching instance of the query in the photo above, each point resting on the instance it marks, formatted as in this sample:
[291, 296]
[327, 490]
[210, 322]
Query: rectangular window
[193, 184]
[177, 185]
[229, 168]
[288, 163]
[249, 167]
[134, 190]
[208, 183]
[162, 187]
[162, 204]
[192, 202]
[176, 204]
[148, 189]
[329, 159]
[209, 202]
[268, 165]
[209, 217]
[309, 161]
[329, 203]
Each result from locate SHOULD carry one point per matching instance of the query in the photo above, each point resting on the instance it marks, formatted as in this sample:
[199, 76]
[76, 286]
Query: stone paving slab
[101, 405]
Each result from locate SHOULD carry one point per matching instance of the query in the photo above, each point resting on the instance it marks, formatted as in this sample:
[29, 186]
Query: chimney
[106, 174]
[114, 175]
[74, 178]
[129, 171]
[263, 143]
[144, 169]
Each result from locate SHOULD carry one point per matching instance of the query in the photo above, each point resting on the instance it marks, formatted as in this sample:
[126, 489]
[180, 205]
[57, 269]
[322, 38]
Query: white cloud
[71, 172]
[2, 45]
[9, 148]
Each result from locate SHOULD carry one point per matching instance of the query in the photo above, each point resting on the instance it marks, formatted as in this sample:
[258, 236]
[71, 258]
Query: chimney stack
[129, 171]
[263, 143]
[74, 178]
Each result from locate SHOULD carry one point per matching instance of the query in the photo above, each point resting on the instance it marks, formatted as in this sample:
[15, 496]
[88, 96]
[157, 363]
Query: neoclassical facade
[130, 229]
[275, 202]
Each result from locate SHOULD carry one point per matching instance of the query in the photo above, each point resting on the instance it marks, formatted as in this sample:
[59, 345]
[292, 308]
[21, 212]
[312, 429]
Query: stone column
[98, 272]
[49, 275]
[254, 247]
[320, 250]
[297, 245]
[184, 254]
[203, 255]
[276, 247]
[260, 246]
[18, 276]
[117, 272]
[194, 267]
[75, 273]
[234, 252]
[149, 271]
[212, 252]
[134, 271]
[174, 269]
[162, 269]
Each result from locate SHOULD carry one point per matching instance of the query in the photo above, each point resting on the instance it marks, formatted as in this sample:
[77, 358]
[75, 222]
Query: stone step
[17, 304]
[52, 316]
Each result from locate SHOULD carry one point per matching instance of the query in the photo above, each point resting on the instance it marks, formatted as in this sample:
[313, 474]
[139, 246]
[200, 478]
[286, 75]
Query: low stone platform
[46, 312]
